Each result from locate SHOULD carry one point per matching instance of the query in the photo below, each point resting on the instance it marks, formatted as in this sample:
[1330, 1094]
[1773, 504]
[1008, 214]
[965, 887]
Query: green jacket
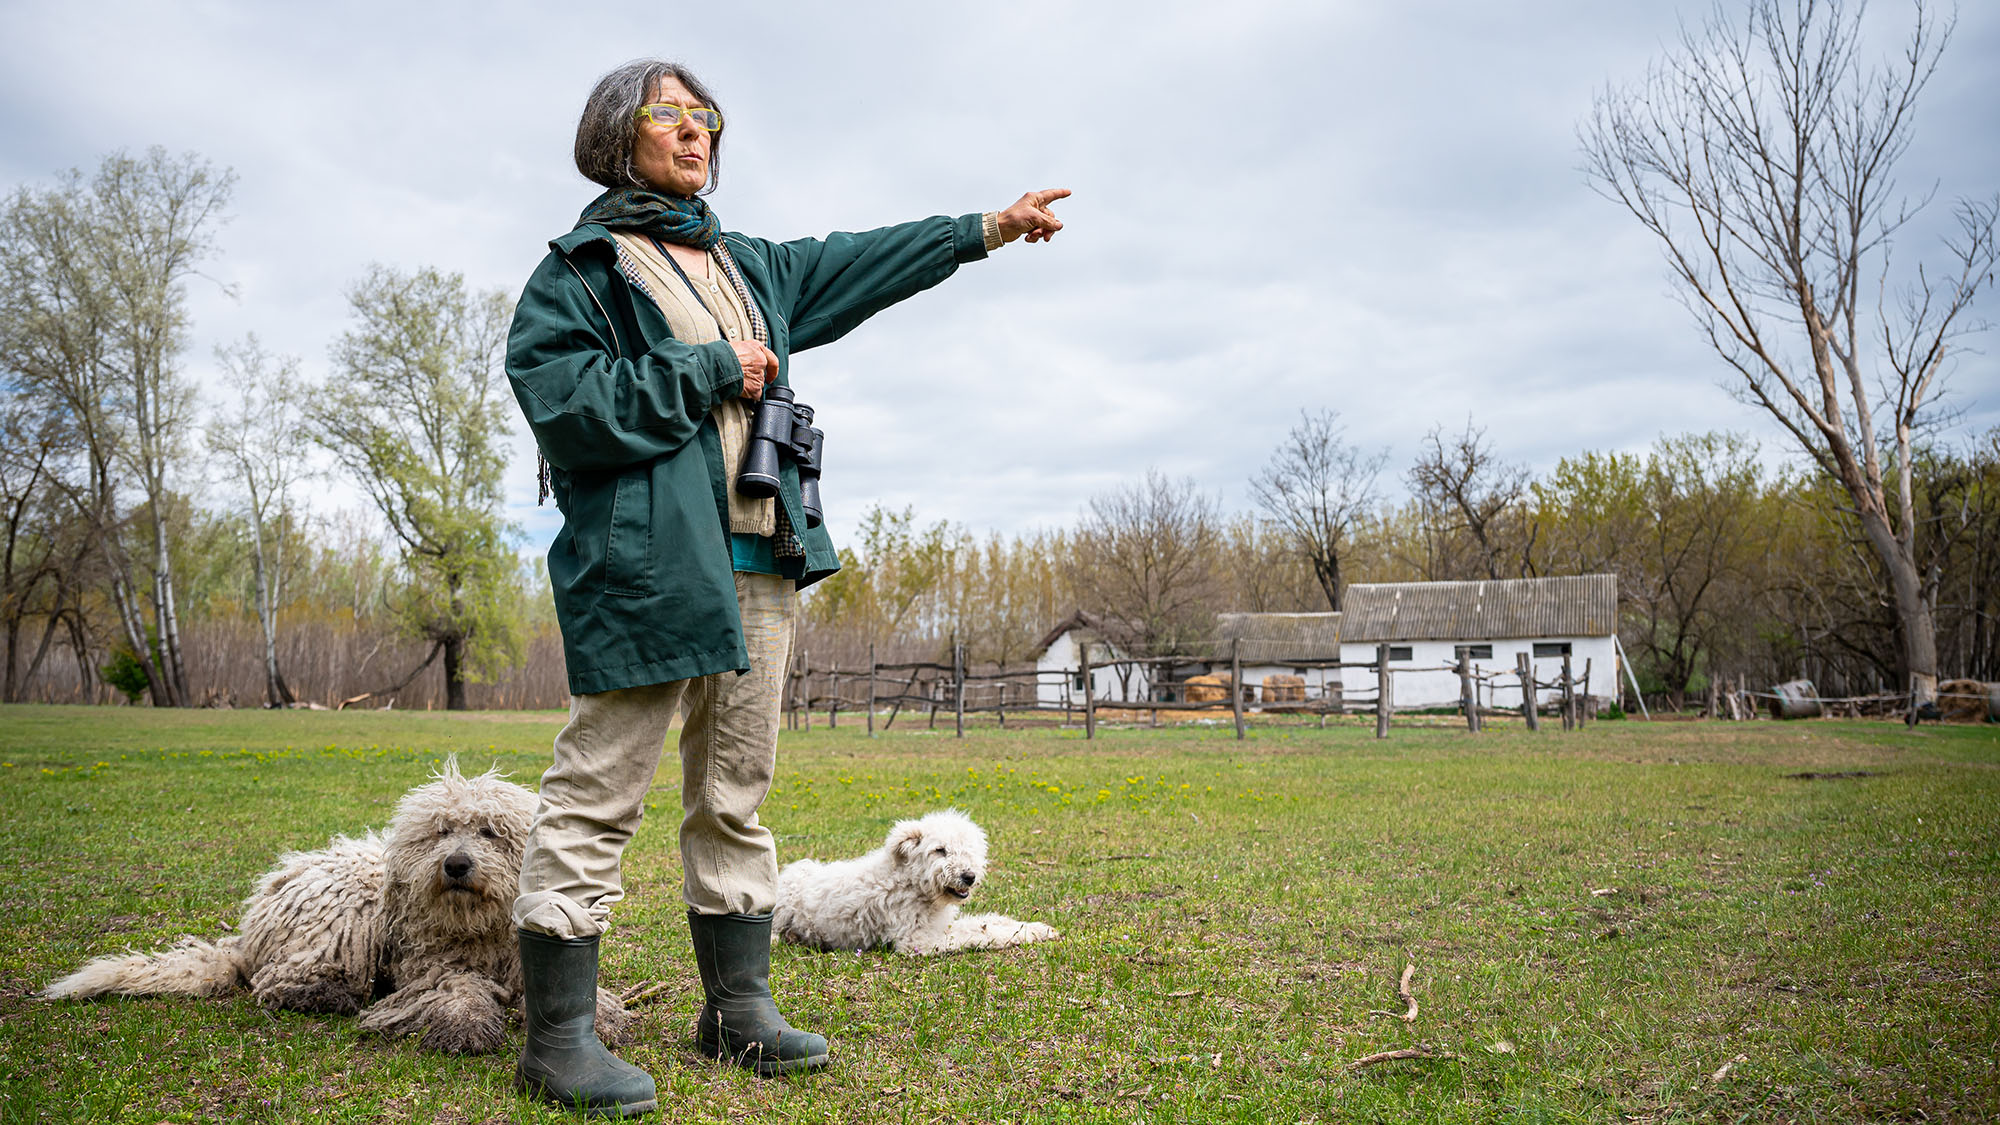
[644, 588]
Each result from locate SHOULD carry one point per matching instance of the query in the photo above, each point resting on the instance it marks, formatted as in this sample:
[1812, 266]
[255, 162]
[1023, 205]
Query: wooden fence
[957, 690]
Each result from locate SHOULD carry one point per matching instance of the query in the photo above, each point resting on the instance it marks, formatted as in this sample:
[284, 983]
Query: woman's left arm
[831, 284]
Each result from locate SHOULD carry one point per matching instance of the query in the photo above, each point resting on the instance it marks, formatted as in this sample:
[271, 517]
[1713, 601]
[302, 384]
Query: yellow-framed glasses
[669, 116]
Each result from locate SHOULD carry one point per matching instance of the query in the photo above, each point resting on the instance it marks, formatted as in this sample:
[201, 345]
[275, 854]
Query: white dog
[904, 895]
[411, 931]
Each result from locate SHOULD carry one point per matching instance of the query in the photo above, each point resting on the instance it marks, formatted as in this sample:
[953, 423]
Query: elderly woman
[638, 351]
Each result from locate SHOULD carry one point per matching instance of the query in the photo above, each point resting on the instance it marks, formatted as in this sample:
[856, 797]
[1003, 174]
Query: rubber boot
[740, 1021]
[563, 1062]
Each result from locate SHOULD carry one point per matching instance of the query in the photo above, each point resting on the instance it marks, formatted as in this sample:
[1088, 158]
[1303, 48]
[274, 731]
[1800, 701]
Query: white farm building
[1427, 624]
[1059, 676]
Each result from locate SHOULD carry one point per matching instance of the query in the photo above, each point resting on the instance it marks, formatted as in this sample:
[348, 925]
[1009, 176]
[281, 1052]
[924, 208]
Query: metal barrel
[1795, 699]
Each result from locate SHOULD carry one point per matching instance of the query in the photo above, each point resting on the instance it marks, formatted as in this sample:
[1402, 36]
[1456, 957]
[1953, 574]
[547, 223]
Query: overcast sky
[1279, 205]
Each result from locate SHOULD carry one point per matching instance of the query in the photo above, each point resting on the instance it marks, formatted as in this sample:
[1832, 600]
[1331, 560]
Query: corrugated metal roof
[1583, 605]
[1279, 636]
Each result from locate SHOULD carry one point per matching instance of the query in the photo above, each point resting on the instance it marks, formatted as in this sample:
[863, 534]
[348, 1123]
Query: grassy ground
[1636, 922]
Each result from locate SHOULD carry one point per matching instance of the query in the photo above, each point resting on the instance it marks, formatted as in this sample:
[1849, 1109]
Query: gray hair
[609, 126]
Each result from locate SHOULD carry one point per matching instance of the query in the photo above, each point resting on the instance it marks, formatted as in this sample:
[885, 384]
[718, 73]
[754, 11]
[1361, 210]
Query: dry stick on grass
[1401, 1053]
[644, 992]
[1403, 991]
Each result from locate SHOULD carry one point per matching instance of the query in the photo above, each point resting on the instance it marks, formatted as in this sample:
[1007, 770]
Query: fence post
[1153, 690]
[1569, 696]
[1381, 691]
[1583, 708]
[1089, 691]
[805, 687]
[833, 699]
[1468, 700]
[1526, 668]
[958, 684]
[1236, 682]
[871, 691]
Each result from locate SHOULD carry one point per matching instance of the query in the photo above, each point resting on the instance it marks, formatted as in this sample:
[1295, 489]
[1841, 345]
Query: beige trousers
[594, 795]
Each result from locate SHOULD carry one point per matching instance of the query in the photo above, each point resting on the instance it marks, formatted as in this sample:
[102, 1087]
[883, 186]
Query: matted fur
[903, 895]
[410, 929]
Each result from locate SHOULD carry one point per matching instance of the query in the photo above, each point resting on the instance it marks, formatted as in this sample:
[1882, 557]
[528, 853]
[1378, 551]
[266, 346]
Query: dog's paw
[1038, 931]
[466, 1037]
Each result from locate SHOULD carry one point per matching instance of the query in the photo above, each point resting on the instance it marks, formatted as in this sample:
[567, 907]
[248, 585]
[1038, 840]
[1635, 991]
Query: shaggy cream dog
[904, 895]
[410, 929]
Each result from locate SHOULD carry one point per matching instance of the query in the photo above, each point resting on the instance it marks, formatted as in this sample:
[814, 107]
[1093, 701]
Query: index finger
[1047, 196]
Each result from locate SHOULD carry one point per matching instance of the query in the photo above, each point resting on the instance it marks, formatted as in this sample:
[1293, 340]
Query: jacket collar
[581, 236]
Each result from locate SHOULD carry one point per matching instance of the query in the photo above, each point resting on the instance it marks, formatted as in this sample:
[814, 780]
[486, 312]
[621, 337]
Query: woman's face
[673, 160]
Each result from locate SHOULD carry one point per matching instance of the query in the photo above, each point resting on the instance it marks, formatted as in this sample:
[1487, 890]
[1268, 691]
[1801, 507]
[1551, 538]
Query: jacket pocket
[628, 560]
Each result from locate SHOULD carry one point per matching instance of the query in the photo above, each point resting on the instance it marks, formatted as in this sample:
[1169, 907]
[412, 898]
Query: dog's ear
[906, 840]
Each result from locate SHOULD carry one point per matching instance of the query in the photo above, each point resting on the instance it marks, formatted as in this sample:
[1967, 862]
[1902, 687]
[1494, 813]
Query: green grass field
[1652, 922]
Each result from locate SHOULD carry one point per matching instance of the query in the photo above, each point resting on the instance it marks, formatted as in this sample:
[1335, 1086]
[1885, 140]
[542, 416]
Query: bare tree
[93, 317]
[1762, 155]
[1317, 488]
[45, 558]
[260, 437]
[1146, 555]
[1470, 501]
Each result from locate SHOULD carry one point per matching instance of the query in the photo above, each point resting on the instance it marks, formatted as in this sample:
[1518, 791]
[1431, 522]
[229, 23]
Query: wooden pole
[1089, 691]
[1381, 691]
[909, 685]
[1153, 689]
[1468, 701]
[1236, 682]
[1583, 707]
[958, 687]
[871, 691]
[805, 689]
[1569, 696]
[1525, 667]
[833, 700]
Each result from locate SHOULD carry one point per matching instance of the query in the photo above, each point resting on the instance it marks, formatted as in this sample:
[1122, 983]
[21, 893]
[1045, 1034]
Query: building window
[1551, 648]
[1476, 652]
[1399, 652]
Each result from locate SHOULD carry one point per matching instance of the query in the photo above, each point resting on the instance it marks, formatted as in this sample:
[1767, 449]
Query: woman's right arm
[590, 401]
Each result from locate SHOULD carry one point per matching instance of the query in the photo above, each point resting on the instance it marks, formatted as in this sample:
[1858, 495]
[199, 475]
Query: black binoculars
[784, 427]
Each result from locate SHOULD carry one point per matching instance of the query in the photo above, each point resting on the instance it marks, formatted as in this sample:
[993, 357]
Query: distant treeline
[156, 548]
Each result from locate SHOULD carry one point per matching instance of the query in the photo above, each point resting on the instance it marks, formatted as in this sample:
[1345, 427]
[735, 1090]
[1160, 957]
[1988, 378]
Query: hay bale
[1281, 688]
[1208, 689]
[1968, 701]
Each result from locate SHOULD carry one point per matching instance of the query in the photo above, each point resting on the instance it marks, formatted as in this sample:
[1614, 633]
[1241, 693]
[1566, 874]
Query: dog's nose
[966, 880]
[458, 865]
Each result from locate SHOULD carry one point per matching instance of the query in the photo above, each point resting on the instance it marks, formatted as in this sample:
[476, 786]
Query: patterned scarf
[679, 219]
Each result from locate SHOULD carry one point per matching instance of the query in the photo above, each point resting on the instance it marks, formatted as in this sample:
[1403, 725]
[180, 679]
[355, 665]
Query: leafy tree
[1686, 531]
[892, 583]
[415, 413]
[1762, 154]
